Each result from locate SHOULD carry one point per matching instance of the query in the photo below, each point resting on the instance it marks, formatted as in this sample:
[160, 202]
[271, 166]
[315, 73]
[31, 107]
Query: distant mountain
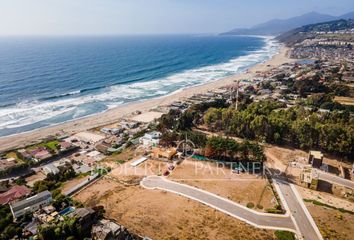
[309, 31]
[278, 26]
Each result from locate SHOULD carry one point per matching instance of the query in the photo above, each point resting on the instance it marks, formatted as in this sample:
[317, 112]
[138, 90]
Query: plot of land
[31, 180]
[147, 168]
[147, 117]
[241, 188]
[332, 223]
[162, 215]
[71, 183]
[326, 198]
[279, 157]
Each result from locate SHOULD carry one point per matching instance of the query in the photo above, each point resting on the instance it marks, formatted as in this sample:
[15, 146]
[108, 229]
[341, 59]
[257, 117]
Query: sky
[111, 17]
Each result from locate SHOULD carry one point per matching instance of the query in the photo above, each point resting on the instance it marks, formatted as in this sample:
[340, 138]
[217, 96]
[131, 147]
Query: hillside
[279, 26]
[308, 31]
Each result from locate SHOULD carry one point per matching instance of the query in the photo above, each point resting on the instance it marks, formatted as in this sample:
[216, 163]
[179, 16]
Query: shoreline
[113, 115]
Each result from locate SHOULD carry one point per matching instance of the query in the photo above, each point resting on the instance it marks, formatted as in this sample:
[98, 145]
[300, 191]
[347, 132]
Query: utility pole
[238, 82]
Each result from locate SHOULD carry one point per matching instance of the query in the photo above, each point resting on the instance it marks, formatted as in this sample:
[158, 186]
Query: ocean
[50, 80]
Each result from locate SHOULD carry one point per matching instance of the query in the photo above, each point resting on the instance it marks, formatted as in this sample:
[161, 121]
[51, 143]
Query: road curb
[219, 209]
[302, 204]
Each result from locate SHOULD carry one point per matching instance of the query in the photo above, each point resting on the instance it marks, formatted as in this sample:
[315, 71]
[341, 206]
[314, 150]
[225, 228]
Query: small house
[309, 178]
[50, 169]
[167, 153]
[150, 139]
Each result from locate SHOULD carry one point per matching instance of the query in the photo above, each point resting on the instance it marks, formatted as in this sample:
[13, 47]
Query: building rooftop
[14, 193]
[31, 200]
[316, 154]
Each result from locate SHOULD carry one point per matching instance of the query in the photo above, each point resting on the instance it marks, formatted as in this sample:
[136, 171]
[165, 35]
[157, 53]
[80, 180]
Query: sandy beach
[113, 115]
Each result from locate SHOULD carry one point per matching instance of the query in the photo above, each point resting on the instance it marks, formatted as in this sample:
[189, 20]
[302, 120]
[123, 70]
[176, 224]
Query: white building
[50, 168]
[31, 204]
[150, 139]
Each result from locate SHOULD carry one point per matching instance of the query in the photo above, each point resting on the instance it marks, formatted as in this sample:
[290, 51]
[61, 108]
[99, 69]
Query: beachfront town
[265, 157]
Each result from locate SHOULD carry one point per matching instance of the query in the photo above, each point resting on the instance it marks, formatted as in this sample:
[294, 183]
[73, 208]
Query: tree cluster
[272, 122]
[218, 147]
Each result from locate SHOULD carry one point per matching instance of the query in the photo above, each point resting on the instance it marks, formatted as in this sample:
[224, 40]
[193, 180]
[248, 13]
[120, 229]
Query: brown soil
[69, 184]
[332, 223]
[241, 188]
[162, 215]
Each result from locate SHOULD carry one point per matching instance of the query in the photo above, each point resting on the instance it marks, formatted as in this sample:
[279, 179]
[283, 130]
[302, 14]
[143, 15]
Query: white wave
[26, 113]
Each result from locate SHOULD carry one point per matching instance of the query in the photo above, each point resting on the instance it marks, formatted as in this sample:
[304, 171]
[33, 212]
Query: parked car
[166, 173]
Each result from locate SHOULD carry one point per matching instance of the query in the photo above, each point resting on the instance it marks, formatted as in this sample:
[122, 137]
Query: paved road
[299, 212]
[252, 217]
[335, 179]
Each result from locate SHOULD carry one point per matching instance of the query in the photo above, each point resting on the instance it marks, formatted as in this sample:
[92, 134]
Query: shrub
[284, 235]
[273, 210]
[250, 205]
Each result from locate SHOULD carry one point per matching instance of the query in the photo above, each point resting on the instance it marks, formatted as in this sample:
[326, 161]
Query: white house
[150, 139]
[50, 168]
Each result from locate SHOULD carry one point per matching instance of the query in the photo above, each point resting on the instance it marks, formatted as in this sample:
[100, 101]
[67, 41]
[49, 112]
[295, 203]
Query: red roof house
[14, 193]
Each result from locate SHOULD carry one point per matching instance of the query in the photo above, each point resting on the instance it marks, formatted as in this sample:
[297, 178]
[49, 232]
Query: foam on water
[77, 104]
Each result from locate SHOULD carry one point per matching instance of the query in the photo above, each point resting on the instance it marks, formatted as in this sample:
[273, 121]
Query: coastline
[113, 115]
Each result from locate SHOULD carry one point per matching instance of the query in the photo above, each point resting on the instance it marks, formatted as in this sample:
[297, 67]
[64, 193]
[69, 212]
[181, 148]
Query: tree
[47, 232]
[305, 135]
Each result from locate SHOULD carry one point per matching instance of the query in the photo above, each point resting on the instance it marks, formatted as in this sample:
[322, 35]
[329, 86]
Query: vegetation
[284, 235]
[270, 121]
[177, 126]
[70, 228]
[67, 229]
[52, 181]
[8, 229]
[14, 169]
[299, 34]
[328, 206]
[228, 149]
[250, 205]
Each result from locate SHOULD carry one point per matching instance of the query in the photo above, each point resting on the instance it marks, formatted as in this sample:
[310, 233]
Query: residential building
[150, 139]
[65, 146]
[6, 163]
[109, 230]
[85, 217]
[167, 153]
[50, 169]
[31, 204]
[14, 193]
[309, 177]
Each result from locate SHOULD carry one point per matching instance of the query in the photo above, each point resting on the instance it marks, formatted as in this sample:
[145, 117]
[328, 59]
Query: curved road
[261, 220]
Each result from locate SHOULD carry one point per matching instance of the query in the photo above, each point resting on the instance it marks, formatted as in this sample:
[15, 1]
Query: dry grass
[162, 215]
[71, 183]
[332, 223]
[241, 188]
[326, 198]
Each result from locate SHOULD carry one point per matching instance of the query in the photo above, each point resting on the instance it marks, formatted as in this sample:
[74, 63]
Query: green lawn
[53, 145]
